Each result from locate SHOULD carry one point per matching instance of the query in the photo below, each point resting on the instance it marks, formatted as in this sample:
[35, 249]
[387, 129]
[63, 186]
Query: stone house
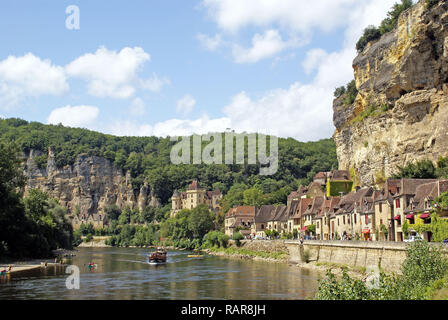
[279, 219]
[291, 209]
[308, 215]
[297, 210]
[193, 197]
[322, 219]
[421, 206]
[261, 219]
[401, 198]
[242, 218]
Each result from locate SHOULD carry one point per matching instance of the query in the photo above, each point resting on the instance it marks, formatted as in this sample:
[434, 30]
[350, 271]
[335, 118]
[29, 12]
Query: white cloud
[28, 75]
[312, 60]
[109, 73]
[298, 15]
[76, 116]
[172, 127]
[210, 43]
[137, 107]
[263, 46]
[154, 83]
[185, 105]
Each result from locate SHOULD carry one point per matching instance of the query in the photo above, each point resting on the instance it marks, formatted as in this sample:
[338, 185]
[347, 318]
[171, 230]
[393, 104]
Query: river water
[123, 273]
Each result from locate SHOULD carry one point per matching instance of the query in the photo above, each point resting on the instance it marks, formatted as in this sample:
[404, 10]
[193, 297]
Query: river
[123, 273]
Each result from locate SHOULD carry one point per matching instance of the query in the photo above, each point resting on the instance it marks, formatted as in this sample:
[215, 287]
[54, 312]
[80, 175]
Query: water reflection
[125, 274]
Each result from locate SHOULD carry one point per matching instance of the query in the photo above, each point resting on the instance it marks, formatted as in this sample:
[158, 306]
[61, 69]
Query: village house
[308, 215]
[296, 212]
[401, 195]
[261, 219]
[420, 207]
[322, 219]
[279, 219]
[193, 197]
[240, 219]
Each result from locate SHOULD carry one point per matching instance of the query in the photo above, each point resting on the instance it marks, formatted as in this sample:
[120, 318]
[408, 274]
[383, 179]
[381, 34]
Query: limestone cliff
[90, 184]
[401, 111]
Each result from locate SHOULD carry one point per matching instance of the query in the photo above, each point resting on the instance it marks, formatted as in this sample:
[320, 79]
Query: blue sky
[176, 67]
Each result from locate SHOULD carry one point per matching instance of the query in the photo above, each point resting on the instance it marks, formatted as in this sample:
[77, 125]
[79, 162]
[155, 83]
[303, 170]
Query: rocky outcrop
[90, 184]
[401, 111]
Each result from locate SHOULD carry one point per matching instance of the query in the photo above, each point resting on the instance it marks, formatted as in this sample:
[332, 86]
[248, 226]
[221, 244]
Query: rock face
[90, 184]
[401, 111]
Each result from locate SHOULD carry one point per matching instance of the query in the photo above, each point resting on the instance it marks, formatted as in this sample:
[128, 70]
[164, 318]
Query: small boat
[158, 257]
[195, 256]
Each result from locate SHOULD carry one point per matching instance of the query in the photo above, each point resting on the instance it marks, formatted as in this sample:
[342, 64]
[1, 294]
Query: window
[338, 221]
[354, 218]
[381, 207]
[343, 219]
[262, 227]
[397, 203]
[366, 219]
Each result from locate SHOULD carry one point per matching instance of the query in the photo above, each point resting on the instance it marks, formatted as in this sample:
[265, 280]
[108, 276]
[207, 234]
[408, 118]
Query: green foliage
[149, 158]
[334, 188]
[216, 239]
[423, 267]
[237, 236]
[86, 229]
[351, 93]
[295, 233]
[391, 21]
[423, 169]
[88, 238]
[305, 256]
[312, 228]
[405, 228]
[29, 227]
[372, 33]
[339, 92]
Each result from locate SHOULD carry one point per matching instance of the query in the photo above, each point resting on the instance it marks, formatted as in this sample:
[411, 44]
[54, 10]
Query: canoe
[195, 256]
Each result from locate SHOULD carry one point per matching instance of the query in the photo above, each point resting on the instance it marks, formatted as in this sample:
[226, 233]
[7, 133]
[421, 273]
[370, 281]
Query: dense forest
[149, 158]
[32, 226]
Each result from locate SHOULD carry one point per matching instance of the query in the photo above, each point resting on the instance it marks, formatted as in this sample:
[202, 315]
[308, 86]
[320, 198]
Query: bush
[237, 236]
[422, 270]
[371, 33]
[339, 91]
[88, 238]
[305, 256]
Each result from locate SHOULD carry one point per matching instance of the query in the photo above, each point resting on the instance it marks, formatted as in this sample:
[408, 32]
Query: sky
[177, 67]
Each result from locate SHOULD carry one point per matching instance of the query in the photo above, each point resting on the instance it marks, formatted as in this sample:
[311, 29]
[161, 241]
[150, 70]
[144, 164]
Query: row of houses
[364, 213]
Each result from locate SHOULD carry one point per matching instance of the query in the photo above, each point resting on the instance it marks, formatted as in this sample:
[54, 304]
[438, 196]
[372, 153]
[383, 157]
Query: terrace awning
[425, 216]
[410, 216]
[365, 231]
[304, 229]
[397, 217]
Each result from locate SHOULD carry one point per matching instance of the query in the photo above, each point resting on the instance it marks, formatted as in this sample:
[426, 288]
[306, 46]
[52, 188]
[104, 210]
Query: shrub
[339, 91]
[237, 236]
[351, 93]
[223, 240]
[422, 270]
[371, 33]
[88, 238]
[305, 256]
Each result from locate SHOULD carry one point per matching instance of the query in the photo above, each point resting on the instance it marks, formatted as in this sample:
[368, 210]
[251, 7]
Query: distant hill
[146, 161]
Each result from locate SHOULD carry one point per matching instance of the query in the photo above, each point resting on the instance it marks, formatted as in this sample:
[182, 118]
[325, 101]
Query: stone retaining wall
[388, 255]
